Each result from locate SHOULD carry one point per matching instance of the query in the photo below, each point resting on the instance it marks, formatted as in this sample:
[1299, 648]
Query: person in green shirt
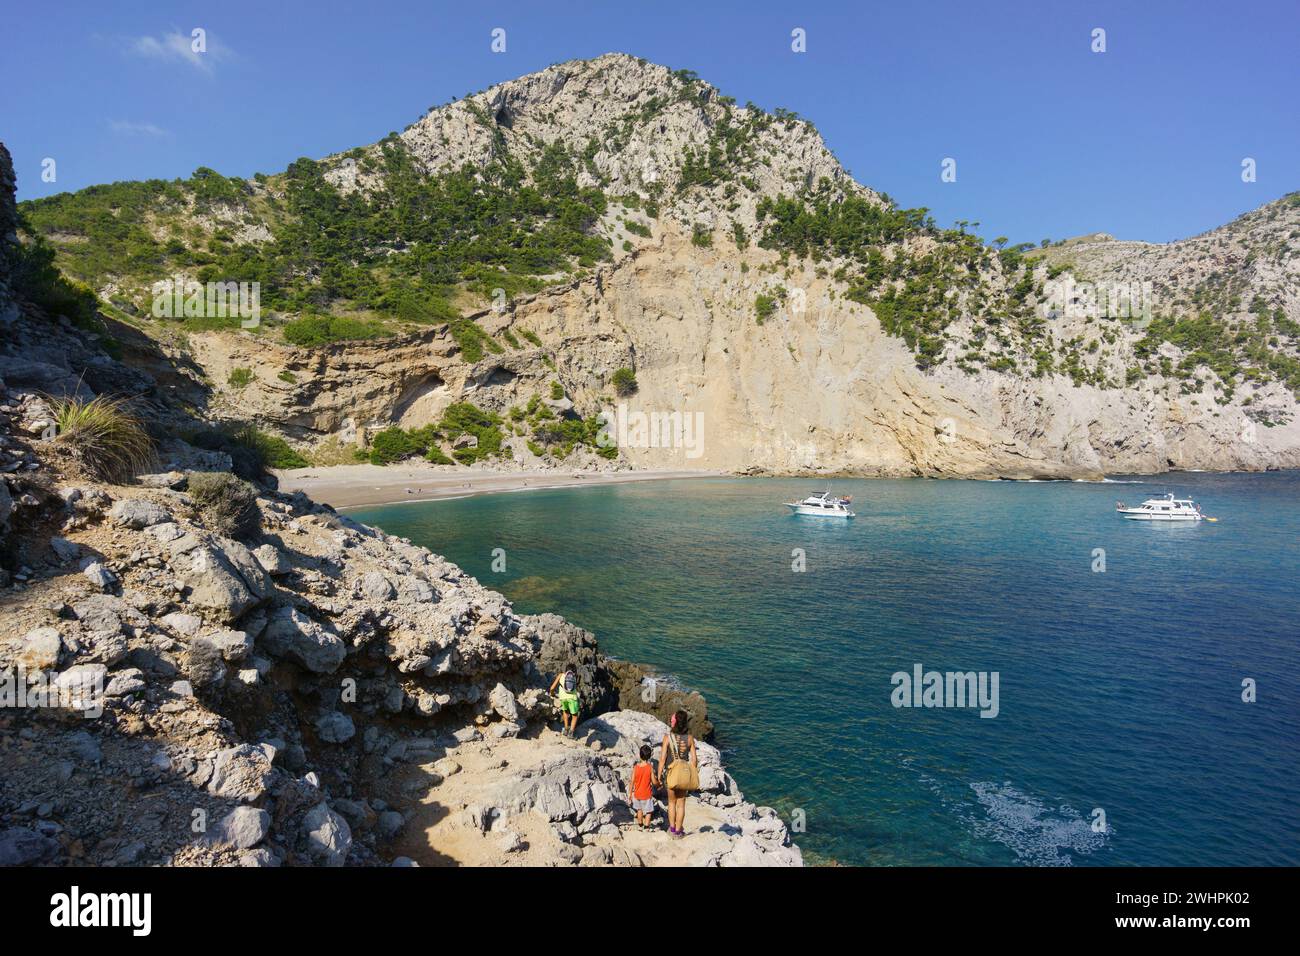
[565, 689]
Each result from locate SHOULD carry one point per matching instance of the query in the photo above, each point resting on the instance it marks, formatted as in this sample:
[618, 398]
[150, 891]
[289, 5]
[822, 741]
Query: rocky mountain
[470, 288]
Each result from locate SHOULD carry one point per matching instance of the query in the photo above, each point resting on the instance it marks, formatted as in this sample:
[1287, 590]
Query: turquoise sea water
[1118, 690]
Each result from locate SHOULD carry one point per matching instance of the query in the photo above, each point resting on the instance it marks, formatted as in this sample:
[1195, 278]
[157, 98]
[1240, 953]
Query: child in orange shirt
[643, 777]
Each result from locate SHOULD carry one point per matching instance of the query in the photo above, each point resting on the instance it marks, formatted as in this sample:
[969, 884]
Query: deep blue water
[1119, 690]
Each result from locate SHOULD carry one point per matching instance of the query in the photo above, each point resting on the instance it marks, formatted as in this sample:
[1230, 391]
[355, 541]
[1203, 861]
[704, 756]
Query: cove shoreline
[346, 487]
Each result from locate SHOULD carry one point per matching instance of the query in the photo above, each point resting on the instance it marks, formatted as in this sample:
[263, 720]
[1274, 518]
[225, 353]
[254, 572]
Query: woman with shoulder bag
[683, 773]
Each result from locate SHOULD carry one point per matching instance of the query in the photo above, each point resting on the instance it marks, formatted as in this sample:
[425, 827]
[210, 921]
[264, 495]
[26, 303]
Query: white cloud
[128, 128]
[177, 47]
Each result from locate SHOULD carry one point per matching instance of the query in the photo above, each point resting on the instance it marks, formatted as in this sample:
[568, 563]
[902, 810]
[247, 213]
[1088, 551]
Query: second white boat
[824, 505]
[1167, 508]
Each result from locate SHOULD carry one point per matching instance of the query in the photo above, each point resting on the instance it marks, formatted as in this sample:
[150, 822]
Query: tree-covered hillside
[529, 184]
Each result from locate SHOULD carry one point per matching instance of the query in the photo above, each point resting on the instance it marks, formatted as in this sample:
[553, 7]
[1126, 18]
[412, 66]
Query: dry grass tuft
[104, 435]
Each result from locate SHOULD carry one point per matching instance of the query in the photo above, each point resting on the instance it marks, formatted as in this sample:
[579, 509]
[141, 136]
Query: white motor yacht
[824, 505]
[1167, 508]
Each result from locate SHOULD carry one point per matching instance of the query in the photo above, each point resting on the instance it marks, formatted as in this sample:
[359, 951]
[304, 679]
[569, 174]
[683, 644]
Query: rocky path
[510, 803]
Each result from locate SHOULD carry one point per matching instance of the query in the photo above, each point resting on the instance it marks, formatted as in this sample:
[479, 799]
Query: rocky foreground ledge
[317, 693]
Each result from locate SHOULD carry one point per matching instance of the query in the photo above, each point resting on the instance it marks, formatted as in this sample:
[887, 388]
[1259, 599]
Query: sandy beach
[356, 486]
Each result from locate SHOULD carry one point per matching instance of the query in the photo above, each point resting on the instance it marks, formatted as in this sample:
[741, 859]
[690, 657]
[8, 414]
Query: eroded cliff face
[817, 389]
[825, 390]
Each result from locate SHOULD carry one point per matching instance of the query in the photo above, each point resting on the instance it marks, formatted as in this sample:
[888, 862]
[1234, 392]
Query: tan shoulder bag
[682, 774]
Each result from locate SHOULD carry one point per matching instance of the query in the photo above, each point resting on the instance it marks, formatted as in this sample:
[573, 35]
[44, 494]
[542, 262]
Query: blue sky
[1145, 140]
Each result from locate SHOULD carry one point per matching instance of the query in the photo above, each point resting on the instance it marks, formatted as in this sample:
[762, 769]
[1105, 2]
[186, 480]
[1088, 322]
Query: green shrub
[273, 450]
[531, 337]
[624, 381]
[312, 330]
[557, 391]
[464, 418]
[820, 221]
[239, 377]
[701, 237]
[251, 451]
[559, 436]
[104, 435]
[210, 188]
[473, 340]
[37, 279]
[412, 302]
[227, 503]
[394, 444]
[397, 444]
[764, 307]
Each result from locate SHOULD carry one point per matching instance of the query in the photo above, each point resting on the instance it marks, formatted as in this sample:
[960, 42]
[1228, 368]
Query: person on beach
[683, 771]
[643, 780]
[565, 689]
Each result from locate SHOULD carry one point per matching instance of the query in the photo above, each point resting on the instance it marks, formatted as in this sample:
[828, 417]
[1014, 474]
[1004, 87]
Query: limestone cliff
[821, 391]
